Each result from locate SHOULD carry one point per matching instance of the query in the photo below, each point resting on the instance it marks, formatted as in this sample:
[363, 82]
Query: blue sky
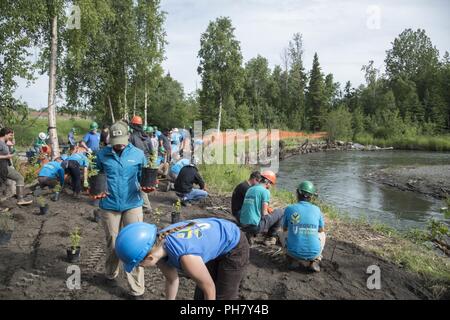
[346, 34]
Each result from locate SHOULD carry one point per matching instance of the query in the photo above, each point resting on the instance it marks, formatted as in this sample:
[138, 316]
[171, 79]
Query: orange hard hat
[136, 120]
[269, 175]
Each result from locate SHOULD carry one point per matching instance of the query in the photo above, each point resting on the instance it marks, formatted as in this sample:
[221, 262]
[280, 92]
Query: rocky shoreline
[307, 146]
[429, 180]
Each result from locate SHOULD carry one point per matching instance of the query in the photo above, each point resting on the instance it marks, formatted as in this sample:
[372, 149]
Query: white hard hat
[175, 130]
[42, 136]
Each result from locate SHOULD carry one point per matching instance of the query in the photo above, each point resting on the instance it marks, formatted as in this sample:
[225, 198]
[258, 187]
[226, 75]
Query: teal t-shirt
[253, 203]
[303, 221]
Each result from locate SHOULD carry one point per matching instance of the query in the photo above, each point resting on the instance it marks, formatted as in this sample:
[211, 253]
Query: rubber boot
[20, 193]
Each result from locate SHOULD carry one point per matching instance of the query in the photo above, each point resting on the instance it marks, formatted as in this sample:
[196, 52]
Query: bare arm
[196, 269]
[7, 157]
[172, 280]
[265, 209]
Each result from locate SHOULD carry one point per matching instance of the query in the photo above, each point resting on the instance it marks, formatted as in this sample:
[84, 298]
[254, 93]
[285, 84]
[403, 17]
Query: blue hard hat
[134, 242]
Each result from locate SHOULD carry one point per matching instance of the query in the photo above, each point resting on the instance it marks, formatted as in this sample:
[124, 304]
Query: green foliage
[177, 206]
[75, 238]
[224, 178]
[6, 222]
[93, 171]
[41, 201]
[338, 124]
[438, 229]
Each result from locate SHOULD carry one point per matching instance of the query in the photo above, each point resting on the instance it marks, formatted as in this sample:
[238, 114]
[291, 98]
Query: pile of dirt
[33, 264]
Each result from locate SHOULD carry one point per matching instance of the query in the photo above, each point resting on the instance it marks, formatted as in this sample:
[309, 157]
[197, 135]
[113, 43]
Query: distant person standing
[71, 138]
[104, 136]
[164, 141]
[91, 140]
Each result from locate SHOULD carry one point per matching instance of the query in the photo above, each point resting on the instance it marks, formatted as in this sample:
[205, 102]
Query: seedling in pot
[56, 194]
[73, 253]
[176, 215]
[43, 205]
[6, 227]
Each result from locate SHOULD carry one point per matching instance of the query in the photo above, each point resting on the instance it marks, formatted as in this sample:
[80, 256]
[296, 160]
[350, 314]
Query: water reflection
[338, 176]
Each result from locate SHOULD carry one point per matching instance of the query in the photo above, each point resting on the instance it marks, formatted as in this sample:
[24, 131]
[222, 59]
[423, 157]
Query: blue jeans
[195, 194]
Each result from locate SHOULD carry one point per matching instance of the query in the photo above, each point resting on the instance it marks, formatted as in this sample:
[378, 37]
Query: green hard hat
[149, 129]
[307, 187]
[93, 126]
[145, 128]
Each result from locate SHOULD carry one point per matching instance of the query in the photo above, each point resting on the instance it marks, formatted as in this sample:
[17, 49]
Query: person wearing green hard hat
[305, 227]
[91, 140]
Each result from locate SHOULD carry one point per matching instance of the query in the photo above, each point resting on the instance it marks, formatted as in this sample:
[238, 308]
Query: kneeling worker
[305, 228]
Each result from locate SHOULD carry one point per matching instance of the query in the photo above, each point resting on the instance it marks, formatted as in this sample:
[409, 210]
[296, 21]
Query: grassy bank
[25, 133]
[430, 143]
[411, 250]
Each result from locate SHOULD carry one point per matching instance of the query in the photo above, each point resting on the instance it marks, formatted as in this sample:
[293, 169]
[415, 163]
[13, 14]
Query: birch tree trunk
[125, 96]
[145, 102]
[220, 115]
[111, 109]
[52, 90]
[134, 104]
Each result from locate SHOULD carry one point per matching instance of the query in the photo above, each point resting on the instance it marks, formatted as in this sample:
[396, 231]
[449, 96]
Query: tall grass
[25, 133]
[431, 143]
[223, 178]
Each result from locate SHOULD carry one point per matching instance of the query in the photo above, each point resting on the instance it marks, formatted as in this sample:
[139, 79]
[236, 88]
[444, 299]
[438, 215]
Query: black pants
[227, 271]
[73, 169]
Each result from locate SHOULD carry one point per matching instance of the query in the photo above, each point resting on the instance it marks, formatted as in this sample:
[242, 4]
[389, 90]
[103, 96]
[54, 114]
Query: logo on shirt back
[295, 218]
[196, 230]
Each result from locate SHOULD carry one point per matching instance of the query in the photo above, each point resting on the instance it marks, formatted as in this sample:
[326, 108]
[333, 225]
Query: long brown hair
[163, 235]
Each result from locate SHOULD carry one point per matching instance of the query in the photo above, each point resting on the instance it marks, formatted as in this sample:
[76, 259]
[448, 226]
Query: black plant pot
[55, 196]
[73, 256]
[97, 184]
[149, 177]
[176, 217]
[43, 210]
[5, 236]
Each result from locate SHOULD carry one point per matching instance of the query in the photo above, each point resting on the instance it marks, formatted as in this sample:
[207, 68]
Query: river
[340, 182]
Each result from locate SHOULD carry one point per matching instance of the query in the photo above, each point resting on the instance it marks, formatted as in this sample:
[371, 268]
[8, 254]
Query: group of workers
[213, 252]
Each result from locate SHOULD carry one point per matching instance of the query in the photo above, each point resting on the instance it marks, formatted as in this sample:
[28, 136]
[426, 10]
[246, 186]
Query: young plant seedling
[75, 239]
[41, 201]
[6, 222]
[177, 206]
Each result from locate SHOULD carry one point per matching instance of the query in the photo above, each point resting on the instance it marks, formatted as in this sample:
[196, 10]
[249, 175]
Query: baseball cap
[119, 133]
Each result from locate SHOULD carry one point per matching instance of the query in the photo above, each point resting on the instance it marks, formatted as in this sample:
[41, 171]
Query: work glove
[148, 189]
[99, 196]
[86, 184]
[270, 210]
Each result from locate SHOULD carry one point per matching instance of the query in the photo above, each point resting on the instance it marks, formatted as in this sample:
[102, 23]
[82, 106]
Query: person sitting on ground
[305, 229]
[255, 215]
[237, 199]
[213, 252]
[7, 134]
[73, 165]
[91, 140]
[51, 174]
[184, 185]
[71, 138]
[141, 140]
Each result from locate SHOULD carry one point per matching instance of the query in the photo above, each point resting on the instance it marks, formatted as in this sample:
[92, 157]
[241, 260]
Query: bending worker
[212, 252]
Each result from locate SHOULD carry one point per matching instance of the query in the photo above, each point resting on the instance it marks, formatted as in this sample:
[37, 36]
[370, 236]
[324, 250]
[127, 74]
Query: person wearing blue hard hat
[213, 252]
[121, 204]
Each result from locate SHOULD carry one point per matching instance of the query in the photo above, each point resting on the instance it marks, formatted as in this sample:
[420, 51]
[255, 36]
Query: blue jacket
[53, 170]
[123, 175]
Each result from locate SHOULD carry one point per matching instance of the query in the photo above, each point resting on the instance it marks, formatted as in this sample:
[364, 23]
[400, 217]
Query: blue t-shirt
[253, 202]
[303, 221]
[176, 168]
[158, 133]
[92, 140]
[209, 238]
[53, 170]
[80, 158]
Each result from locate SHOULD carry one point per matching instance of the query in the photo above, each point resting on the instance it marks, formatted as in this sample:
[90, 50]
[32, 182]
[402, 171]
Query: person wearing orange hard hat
[255, 215]
[141, 140]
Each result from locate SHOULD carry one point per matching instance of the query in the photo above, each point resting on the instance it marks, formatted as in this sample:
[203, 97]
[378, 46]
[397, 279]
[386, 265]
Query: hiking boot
[133, 297]
[21, 201]
[314, 266]
[76, 196]
[186, 203]
[270, 241]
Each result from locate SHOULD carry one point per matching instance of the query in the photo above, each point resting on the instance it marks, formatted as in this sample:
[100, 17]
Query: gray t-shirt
[4, 149]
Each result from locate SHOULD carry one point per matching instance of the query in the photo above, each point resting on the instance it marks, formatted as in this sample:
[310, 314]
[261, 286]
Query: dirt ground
[33, 264]
[431, 180]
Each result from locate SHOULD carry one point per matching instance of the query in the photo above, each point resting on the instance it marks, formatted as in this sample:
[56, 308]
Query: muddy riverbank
[33, 264]
[431, 180]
